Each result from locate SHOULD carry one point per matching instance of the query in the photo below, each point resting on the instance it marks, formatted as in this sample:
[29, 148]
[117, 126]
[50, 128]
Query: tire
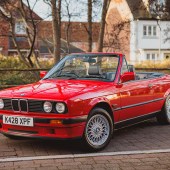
[164, 116]
[14, 137]
[99, 130]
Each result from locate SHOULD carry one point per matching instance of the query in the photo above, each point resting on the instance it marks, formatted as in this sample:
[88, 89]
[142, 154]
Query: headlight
[47, 107]
[1, 104]
[60, 107]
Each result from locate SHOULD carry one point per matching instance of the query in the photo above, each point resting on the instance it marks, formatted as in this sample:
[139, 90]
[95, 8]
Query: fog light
[56, 122]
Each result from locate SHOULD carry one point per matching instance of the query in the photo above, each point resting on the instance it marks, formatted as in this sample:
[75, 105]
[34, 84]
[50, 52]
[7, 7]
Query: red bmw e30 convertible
[85, 96]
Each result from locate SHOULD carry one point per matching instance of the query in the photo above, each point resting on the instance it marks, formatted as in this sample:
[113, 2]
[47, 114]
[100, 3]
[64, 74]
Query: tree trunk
[167, 6]
[68, 25]
[106, 4]
[68, 36]
[56, 31]
[31, 32]
[90, 41]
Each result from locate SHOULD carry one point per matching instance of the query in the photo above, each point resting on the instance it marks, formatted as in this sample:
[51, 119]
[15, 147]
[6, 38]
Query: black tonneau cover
[148, 75]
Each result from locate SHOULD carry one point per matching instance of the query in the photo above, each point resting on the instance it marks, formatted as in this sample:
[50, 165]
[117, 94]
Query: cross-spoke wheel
[99, 129]
[164, 116]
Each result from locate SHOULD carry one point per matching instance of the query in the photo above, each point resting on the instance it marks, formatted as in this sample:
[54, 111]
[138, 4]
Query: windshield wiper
[66, 75]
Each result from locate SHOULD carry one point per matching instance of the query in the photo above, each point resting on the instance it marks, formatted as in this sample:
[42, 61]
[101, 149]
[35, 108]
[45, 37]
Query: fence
[25, 75]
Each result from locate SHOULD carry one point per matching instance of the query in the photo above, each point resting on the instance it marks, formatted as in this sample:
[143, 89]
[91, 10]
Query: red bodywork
[128, 100]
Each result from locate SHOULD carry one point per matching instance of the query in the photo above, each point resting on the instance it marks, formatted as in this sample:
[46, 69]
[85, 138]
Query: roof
[12, 6]
[64, 49]
[23, 44]
[72, 48]
[141, 11]
[28, 13]
[138, 9]
[34, 15]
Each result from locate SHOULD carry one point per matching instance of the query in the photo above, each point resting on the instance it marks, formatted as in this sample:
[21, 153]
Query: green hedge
[18, 77]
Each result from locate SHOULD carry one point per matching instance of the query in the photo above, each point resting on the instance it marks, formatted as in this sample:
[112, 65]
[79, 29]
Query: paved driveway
[145, 136]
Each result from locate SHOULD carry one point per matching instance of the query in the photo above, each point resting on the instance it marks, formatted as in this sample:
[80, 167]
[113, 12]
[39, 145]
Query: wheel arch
[167, 93]
[106, 106]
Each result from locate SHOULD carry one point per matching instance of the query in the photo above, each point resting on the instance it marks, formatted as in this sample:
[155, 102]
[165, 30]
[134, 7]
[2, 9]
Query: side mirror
[42, 74]
[127, 76]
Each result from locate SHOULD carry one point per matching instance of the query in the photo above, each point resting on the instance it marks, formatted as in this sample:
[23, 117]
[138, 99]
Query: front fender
[93, 102]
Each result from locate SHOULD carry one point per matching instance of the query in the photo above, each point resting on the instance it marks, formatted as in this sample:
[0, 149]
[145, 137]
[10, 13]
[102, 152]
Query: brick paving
[159, 161]
[145, 136]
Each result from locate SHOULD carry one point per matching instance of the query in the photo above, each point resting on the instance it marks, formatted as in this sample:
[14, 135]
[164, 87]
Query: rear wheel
[99, 129]
[164, 116]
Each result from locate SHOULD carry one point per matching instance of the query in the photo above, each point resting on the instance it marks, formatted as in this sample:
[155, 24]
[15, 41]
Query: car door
[159, 86]
[134, 97]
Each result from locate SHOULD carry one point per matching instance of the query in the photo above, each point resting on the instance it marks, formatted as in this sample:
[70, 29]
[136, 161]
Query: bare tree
[9, 9]
[93, 7]
[56, 25]
[116, 38]
[167, 6]
[105, 7]
[89, 30]
[31, 30]
[68, 24]
[160, 10]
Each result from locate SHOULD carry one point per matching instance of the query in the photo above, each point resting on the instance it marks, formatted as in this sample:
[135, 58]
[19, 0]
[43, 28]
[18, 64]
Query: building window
[149, 31]
[154, 31]
[152, 56]
[20, 28]
[148, 56]
[144, 30]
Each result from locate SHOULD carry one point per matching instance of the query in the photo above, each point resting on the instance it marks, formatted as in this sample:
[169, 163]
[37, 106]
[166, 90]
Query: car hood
[55, 89]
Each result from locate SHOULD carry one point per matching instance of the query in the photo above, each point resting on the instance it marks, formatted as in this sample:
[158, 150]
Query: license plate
[18, 120]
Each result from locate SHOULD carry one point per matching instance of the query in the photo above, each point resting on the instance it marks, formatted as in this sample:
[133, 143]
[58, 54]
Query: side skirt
[130, 122]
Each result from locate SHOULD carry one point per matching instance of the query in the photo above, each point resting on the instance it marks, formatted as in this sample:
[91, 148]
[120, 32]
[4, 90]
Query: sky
[78, 12]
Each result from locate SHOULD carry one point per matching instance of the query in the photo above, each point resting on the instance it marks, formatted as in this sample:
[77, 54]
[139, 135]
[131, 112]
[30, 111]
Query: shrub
[155, 65]
[18, 77]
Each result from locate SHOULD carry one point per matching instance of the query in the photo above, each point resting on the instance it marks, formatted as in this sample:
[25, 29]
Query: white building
[149, 40]
[144, 37]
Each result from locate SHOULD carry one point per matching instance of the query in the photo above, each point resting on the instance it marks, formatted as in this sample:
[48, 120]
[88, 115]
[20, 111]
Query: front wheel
[164, 116]
[99, 129]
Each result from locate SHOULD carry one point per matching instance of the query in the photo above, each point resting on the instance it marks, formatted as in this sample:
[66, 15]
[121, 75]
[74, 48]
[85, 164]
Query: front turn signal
[56, 122]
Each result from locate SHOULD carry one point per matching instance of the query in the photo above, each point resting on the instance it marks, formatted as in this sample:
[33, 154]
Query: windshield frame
[59, 66]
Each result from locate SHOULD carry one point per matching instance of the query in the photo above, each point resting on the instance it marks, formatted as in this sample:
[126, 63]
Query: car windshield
[94, 67]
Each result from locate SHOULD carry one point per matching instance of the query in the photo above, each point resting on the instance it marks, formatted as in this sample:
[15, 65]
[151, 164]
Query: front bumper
[43, 128]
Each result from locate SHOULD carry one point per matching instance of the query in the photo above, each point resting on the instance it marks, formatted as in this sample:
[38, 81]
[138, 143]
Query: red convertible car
[85, 96]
